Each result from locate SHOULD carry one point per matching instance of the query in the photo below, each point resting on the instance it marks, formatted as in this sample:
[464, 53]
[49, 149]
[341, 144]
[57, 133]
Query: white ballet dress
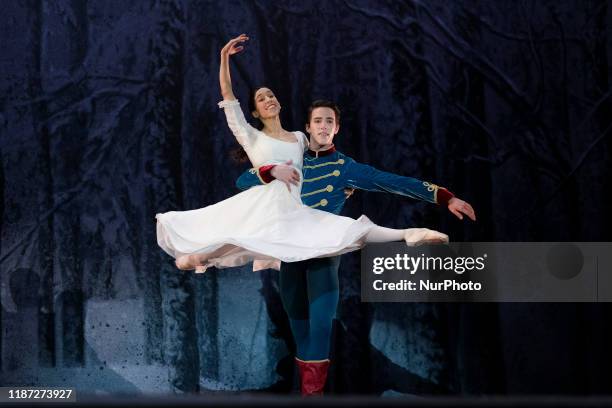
[265, 223]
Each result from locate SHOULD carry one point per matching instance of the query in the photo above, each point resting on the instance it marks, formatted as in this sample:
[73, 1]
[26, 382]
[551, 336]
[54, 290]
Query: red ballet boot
[313, 375]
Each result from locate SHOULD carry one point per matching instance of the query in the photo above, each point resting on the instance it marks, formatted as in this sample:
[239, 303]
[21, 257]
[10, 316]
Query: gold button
[323, 202]
[336, 173]
[329, 188]
[341, 161]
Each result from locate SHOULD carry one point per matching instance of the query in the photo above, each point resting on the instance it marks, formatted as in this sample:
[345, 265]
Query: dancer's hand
[460, 207]
[348, 192]
[286, 173]
[225, 78]
[233, 46]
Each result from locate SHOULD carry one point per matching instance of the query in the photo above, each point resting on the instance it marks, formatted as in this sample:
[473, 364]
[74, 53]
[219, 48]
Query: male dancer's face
[322, 128]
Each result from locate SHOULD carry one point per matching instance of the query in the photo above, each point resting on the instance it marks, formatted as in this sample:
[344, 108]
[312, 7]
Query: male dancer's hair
[322, 103]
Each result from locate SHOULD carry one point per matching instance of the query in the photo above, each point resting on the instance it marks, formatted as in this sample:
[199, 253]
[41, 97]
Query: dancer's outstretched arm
[244, 133]
[365, 177]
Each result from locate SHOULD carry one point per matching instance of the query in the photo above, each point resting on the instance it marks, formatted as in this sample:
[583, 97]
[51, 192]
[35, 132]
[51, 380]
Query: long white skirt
[263, 224]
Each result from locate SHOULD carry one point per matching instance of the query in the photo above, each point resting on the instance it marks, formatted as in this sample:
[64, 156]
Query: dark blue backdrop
[108, 115]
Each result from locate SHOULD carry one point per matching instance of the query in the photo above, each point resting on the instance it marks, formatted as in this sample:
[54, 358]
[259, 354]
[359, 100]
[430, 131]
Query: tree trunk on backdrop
[46, 241]
[164, 133]
[64, 37]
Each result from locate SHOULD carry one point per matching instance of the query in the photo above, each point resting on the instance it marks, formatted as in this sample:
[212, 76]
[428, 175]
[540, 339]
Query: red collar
[322, 153]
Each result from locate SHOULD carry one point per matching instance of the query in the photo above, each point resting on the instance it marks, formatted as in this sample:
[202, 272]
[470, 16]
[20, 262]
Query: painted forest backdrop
[108, 115]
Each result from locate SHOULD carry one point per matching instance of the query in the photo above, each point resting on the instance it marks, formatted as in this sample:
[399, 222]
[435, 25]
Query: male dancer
[309, 289]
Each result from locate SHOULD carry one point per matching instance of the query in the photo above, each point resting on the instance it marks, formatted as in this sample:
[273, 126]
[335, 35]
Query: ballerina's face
[322, 126]
[266, 104]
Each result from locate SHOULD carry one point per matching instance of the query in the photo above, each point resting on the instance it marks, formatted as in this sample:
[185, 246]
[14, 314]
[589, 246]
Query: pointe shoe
[188, 263]
[182, 262]
[191, 262]
[420, 236]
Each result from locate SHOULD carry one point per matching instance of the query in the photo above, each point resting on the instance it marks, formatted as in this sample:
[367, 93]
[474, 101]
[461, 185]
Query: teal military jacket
[327, 173]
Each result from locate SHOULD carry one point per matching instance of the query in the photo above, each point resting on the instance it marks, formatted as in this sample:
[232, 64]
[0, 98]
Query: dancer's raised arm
[225, 80]
[244, 133]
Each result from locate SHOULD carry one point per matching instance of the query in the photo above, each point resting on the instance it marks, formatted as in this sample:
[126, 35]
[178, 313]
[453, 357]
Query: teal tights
[309, 291]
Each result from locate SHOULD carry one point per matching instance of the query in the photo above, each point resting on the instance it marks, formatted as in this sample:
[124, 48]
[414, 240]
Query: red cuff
[443, 196]
[265, 173]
